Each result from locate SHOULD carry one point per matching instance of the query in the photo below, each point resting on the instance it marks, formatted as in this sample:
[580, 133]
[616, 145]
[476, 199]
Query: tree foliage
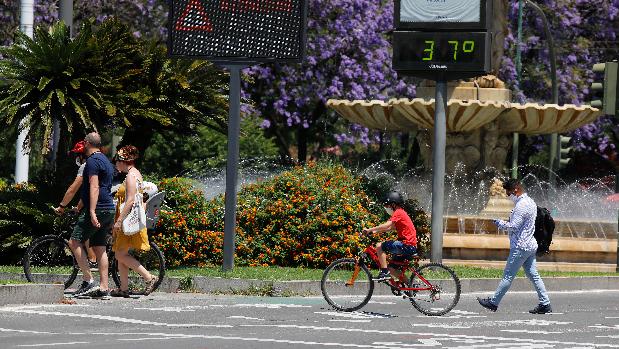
[348, 56]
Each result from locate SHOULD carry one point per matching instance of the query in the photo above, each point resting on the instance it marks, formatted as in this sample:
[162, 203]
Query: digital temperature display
[441, 51]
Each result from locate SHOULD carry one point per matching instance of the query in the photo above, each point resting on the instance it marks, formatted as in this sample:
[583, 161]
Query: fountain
[586, 226]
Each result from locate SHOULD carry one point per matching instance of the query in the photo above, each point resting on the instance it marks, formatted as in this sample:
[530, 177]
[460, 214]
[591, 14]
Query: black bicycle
[50, 259]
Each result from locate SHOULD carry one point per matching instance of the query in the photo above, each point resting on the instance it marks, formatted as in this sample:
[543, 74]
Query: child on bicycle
[404, 246]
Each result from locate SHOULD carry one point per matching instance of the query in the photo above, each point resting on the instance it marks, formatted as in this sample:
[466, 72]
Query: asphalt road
[188, 321]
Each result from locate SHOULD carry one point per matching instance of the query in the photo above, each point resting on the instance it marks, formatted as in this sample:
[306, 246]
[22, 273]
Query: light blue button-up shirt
[521, 225]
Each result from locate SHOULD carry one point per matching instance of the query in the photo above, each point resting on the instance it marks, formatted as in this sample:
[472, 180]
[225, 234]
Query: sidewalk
[200, 284]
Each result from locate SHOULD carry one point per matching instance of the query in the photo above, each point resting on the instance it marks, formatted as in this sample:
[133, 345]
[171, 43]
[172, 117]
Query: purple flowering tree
[585, 33]
[348, 56]
[144, 17]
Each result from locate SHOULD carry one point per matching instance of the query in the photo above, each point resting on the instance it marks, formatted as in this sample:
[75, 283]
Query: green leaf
[110, 109]
[61, 99]
[43, 81]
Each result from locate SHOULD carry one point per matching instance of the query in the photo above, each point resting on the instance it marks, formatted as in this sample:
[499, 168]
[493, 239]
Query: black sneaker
[541, 309]
[383, 276]
[100, 294]
[487, 303]
[85, 287]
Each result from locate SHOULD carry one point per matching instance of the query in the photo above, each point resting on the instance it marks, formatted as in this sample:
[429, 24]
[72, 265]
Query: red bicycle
[433, 288]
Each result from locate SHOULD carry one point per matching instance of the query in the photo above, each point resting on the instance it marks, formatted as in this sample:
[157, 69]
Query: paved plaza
[188, 321]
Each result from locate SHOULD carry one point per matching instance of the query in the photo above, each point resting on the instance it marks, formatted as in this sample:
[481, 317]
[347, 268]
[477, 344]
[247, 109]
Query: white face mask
[78, 162]
[389, 210]
[513, 198]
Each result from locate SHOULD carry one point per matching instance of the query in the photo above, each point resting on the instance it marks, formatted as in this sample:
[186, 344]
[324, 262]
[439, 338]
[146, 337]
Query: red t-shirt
[405, 227]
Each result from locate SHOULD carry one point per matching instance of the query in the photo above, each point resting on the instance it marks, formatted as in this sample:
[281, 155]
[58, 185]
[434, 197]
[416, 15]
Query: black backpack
[544, 227]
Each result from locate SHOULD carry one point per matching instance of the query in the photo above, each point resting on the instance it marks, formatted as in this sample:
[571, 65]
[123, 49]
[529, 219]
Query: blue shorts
[396, 247]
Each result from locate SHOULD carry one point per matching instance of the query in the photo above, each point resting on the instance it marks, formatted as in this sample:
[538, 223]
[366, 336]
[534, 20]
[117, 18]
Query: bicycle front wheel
[443, 291]
[347, 285]
[152, 260]
[49, 259]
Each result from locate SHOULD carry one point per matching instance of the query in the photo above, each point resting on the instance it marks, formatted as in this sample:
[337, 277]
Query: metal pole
[555, 90]
[438, 172]
[22, 157]
[232, 165]
[516, 139]
[66, 13]
[617, 267]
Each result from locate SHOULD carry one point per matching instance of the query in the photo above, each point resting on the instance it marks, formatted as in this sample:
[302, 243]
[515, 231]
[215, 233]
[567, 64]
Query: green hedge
[24, 215]
[307, 216]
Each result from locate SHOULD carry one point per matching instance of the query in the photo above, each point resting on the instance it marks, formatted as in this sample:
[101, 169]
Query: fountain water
[586, 225]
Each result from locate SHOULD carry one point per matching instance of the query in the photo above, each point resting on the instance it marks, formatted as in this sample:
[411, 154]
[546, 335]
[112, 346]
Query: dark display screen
[237, 30]
[441, 51]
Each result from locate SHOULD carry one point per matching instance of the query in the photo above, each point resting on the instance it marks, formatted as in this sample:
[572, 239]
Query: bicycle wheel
[347, 285]
[152, 260]
[444, 293]
[50, 259]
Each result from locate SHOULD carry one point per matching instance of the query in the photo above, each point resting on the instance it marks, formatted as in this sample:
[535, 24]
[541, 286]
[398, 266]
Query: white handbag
[136, 219]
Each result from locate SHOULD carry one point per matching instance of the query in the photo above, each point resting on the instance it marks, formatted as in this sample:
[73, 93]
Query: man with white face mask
[522, 248]
[79, 151]
[405, 246]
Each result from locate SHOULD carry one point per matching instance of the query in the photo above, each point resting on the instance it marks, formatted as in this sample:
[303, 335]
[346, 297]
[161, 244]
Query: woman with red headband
[125, 163]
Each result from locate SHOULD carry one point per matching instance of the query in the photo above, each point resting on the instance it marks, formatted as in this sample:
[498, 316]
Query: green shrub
[23, 216]
[307, 216]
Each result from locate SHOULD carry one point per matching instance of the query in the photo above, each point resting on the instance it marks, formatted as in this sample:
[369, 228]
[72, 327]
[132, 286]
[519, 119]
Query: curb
[217, 285]
[31, 293]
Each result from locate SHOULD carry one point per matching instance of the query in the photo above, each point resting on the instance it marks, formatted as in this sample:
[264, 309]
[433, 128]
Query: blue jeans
[526, 259]
[396, 247]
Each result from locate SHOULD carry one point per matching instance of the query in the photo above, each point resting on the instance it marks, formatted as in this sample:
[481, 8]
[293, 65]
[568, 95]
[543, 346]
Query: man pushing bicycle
[404, 246]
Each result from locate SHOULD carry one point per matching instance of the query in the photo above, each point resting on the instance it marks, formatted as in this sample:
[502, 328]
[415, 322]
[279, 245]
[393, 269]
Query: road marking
[344, 320]
[531, 331]
[530, 342]
[532, 322]
[438, 325]
[245, 318]
[23, 331]
[109, 318]
[50, 344]
[355, 315]
[167, 309]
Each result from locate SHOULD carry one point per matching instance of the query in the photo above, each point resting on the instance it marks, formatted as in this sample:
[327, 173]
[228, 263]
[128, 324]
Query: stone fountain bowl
[406, 115]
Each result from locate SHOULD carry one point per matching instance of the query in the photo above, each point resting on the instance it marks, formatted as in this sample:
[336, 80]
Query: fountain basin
[574, 241]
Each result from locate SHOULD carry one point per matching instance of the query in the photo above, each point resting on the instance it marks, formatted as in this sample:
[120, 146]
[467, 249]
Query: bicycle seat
[152, 209]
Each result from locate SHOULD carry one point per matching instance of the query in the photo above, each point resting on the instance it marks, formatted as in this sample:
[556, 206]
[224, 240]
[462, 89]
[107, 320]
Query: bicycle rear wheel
[347, 285]
[49, 259]
[444, 293]
[152, 260]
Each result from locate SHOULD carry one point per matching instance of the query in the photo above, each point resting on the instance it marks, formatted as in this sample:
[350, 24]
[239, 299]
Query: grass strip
[288, 274]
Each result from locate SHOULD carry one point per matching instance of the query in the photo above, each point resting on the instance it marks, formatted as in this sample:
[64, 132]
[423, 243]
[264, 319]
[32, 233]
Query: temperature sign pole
[441, 40]
[236, 34]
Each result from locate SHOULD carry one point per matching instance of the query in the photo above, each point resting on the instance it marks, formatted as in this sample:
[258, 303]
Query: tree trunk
[500, 29]
[302, 143]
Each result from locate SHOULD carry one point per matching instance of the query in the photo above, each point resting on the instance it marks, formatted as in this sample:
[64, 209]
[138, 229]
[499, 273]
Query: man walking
[522, 248]
[96, 217]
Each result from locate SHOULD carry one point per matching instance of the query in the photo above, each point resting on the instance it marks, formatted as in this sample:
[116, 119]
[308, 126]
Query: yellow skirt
[137, 241]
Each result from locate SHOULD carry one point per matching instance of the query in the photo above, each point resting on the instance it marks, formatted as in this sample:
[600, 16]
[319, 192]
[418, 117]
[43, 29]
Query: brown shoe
[150, 286]
[120, 293]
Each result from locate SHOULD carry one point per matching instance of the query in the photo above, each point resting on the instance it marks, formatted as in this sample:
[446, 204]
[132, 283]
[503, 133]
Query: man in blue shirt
[522, 248]
[96, 217]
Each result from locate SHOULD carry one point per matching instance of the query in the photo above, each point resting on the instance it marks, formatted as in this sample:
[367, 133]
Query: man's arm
[94, 197]
[388, 225]
[73, 188]
[515, 221]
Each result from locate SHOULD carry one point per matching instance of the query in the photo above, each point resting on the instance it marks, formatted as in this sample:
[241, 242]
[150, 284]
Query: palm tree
[55, 78]
[176, 95]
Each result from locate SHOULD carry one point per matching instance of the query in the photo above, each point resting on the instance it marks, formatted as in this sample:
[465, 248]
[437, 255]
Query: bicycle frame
[404, 267]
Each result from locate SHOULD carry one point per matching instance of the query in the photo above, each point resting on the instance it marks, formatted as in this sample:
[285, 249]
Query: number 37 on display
[467, 46]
